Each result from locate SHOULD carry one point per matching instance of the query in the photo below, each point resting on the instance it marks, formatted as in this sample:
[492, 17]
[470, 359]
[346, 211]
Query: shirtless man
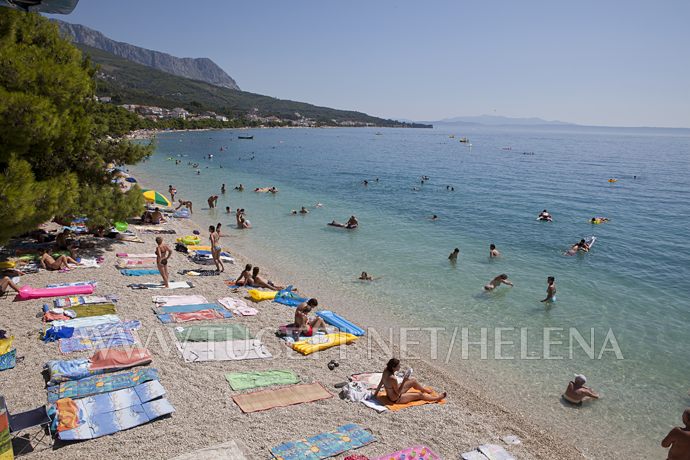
[580, 246]
[187, 204]
[303, 324]
[260, 282]
[157, 216]
[352, 222]
[303, 210]
[453, 257]
[48, 263]
[163, 253]
[172, 191]
[400, 393]
[545, 216]
[245, 278]
[678, 439]
[212, 201]
[214, 238]
[577, 392]
[493, 252]
[550, 290]
[496, 282]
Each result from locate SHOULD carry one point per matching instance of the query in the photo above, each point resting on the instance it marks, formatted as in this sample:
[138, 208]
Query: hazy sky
[602, 62]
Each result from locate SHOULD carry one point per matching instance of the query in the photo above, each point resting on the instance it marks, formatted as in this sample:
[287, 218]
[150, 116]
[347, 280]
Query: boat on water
[245, 137]
[464, 140]
[452, 136]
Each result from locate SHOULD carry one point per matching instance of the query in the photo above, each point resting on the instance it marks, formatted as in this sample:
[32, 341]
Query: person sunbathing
[157, 217]
[399, 393]
[303, 324]
[245, 278]
[63, 242]
[6, 282]
[260, 282]
[49, 263]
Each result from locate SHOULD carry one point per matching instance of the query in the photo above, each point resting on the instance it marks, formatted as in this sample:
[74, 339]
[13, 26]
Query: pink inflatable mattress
[27, 292]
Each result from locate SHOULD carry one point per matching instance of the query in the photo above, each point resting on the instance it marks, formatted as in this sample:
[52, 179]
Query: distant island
[497, 120]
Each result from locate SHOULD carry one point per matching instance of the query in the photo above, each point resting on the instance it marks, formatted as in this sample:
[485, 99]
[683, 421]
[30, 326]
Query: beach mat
[73, 301]
[124, 255]
[235, 350]
[411, 453]
[390, 405]
[186, 308]
[225, 451]
[487, 452]
[97, 384]
[115, 339]
[139, 271]
[163, 300]
[247, 380]
[172, 285]
[201, 315]
[324, 445]
[238, 306]
[112, 360]
[282, 397]
[94, 309]
[88, 321]
[212, 333]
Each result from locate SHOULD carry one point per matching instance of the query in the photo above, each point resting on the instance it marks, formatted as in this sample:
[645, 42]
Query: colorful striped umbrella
[152, 196]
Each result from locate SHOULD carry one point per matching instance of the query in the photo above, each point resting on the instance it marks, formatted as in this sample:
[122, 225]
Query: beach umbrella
[152, 196]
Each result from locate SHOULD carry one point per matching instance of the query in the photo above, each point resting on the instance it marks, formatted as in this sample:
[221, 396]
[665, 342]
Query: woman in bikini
[245, 278]
[400, 393]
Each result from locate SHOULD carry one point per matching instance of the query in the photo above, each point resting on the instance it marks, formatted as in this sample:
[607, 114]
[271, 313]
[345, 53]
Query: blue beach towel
[324, 445]
[187, 308]
[139, 271]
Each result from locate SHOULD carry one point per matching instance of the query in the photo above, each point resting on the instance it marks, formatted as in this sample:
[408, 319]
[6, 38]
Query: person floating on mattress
[577, 392]
[580, 246]
[545, 216]
[260, 282]
[304, 325]
[245, 278]
[61, 263]
[496, 282]
[399, 393]
[599, 220]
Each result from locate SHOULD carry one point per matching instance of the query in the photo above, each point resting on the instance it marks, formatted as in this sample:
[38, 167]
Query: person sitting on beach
[678, 439]
[187, 204]
[260, 282]
[163, 253]
[157, 217]
[496, 282]
[550, 289]
[245, 278]
[580, 246]
[399, 393]
[61, 263]
[216, 248]
[352, 222]
[577, 392]
[303, 210]
[146, 217]
[303, 324]
[5, 283]
[545, 216]
[453, 257]
[493, 252]
[63, 242]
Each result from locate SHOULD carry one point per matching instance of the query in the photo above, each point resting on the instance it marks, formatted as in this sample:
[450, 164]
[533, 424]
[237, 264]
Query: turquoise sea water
[633, 283]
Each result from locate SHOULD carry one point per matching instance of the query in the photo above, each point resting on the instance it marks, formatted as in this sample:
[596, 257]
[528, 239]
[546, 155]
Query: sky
[594, 62]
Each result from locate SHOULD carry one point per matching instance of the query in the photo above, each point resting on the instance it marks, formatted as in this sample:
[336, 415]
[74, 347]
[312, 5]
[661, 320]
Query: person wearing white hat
[577, 392]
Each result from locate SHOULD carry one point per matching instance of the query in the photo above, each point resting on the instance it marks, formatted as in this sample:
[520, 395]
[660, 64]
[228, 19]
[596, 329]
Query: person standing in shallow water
[550, 289]
[453, 257]
[493, 252]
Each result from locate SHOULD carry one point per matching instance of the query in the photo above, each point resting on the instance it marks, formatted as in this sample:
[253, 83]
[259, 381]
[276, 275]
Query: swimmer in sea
[303, 210]
[352, 222]
[545, 216]
[599, 220]
[550, 290]
[493, 252]
[496, 282]
[577, 392]
[580, 246]
[453, 257]
[318, 205]
[434, 217]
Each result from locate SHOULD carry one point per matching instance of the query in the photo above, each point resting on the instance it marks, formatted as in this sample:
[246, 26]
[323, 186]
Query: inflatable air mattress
[322, 342]
[27, 292]
[341, 323]
[258, 296]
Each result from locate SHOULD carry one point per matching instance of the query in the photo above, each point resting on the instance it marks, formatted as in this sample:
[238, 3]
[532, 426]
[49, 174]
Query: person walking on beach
[496, 282]
[577, 392]
[550, 289]
[303, 324]
[453, 257]
[399, 393]
[678, 439]
[214, 237]
[493, 252]
[163, 253]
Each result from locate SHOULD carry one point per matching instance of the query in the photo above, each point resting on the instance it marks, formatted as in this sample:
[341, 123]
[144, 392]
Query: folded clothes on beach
[201, 315]
[247, 380]
[97, 384]
[84, 300]
[324, 445]
[487, 452]
[139, 271]
[322, 342]
[212, 333]
[238, 306]
[282, 397]
[412, 453]
[179, 299]
[234, 350]
[171, 285]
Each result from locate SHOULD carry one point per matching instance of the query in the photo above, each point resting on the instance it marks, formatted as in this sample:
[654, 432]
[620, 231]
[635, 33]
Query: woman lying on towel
[399, 393]
[48, 263]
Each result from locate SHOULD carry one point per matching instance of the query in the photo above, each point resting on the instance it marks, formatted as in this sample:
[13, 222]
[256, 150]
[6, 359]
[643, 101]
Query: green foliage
[55, 139]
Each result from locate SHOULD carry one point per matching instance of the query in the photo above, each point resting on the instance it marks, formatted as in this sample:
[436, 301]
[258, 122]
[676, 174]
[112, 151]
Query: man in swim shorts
[678, 439]
[163, 253]
[550, 290]
[303, 323]
[496, 282]
[577, 392]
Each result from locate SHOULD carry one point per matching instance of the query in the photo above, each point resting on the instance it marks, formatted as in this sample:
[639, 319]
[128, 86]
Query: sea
[622, 315]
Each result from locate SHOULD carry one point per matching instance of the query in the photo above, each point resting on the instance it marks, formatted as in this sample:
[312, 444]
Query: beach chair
[30, 428]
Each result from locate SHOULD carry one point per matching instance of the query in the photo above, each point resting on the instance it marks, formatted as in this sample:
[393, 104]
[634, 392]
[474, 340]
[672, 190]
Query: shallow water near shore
[633, 283]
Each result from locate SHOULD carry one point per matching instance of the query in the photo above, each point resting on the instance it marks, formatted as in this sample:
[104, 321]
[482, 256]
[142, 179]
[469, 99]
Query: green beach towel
[212, 333]
[246, 380]
[94, 309]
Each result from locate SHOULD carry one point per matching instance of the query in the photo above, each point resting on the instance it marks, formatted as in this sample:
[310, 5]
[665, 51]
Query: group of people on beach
[250, 277]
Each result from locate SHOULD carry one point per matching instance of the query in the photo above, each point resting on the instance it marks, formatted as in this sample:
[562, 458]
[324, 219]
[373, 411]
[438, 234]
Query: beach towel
[63, 370]
[112, 360]
[97, 384]
[412, 453]
[159, 231]
[235, 350]
[225, 451]
[383, 399]
[247, 380]
[139, 271]
[84, 300]
[112, 340]
[8, 360]
[187, 308]
[487, 452]
[199, 272]
[370, 379]
[88, 321]
[212, 333]
[124, 255]
[94, 309]
[109, 413]
[135, 263]
[171, 285]
[106, 328]
[201, 315]
[238, 306]
[93, 283]
[85, 263]
[68, 414]
[179, 299]
[324, 445]
[282, 397]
